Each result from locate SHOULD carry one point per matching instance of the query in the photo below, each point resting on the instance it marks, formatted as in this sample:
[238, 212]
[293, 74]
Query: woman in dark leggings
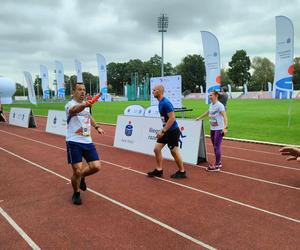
[218, 127]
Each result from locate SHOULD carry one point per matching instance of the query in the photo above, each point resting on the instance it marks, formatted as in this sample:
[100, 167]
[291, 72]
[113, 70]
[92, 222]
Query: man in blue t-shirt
[169, 134]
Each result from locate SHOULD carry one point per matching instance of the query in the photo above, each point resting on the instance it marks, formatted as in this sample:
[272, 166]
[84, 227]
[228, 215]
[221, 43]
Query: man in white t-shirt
[79, 141]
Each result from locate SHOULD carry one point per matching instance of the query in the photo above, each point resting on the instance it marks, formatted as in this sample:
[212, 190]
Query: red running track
[252, 204]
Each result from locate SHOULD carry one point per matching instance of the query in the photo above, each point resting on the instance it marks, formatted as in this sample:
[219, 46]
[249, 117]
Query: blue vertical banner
[245, 89]
[78, 71]
[211, 51]
[284, 65]
[269, 89]
[45, 81]
[60, 79]
[31, 93]
[101, 61]
[229, 90]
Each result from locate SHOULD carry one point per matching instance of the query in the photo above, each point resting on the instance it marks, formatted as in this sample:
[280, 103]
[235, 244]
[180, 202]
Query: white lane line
[43, 131]
[20, 231]
[211, 194]
[149, 218]
[254, 179]
[229, 157]
[224, 156]
[259, 162]
[189, 187]
[225, 172]
[181, 185]
[259, 142]
[225, 139]
[252, 150]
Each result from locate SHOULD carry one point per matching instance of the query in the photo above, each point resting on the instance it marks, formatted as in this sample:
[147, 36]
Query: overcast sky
[35, 32]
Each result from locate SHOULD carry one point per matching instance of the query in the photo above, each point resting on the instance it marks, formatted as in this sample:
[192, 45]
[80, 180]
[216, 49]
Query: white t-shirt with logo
[78, 125]
[216, 119]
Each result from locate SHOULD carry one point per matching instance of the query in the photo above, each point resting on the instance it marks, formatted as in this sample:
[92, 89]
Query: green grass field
[264, 120]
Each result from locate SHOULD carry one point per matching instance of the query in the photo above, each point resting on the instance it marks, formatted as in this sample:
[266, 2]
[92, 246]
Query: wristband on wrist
[96, 127]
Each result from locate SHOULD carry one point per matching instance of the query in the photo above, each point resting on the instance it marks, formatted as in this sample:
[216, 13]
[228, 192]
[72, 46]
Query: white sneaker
[213, 168]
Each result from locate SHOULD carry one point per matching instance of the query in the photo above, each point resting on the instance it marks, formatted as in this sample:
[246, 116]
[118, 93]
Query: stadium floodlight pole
[162, 24]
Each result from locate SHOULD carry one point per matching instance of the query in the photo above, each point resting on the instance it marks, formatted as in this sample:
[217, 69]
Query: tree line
[256, 73]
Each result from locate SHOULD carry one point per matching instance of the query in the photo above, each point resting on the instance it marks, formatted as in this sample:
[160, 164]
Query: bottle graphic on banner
[128, 129]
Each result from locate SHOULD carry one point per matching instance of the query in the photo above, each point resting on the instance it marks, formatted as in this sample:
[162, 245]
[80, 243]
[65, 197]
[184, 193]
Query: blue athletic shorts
[77, 150]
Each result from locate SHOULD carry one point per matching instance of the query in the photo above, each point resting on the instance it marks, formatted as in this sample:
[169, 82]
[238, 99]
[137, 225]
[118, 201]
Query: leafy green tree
[152, 67]
[134, 66]
[38, 87]
[192, 70]
[116, 75]
[296, 76]
[239, 68]
[20, 90]
[263, 72]
[225, 80]
[119, 74]
[72, 80]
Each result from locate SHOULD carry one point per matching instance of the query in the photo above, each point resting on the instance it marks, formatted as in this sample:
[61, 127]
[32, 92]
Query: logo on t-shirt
[214, 122]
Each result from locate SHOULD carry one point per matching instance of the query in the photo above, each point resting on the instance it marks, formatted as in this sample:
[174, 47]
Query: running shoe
[155, 173]
[82, 185]
[219, 166]
[179, 175]
[76, 198]
[214, 168]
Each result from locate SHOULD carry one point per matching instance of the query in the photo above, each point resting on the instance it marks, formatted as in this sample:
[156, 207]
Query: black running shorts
[171, 138]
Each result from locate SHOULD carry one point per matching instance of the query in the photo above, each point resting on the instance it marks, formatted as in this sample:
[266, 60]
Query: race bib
[213, 122]
[86, 129]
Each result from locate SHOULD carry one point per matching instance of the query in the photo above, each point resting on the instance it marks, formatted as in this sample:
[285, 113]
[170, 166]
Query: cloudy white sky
[35, 32]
